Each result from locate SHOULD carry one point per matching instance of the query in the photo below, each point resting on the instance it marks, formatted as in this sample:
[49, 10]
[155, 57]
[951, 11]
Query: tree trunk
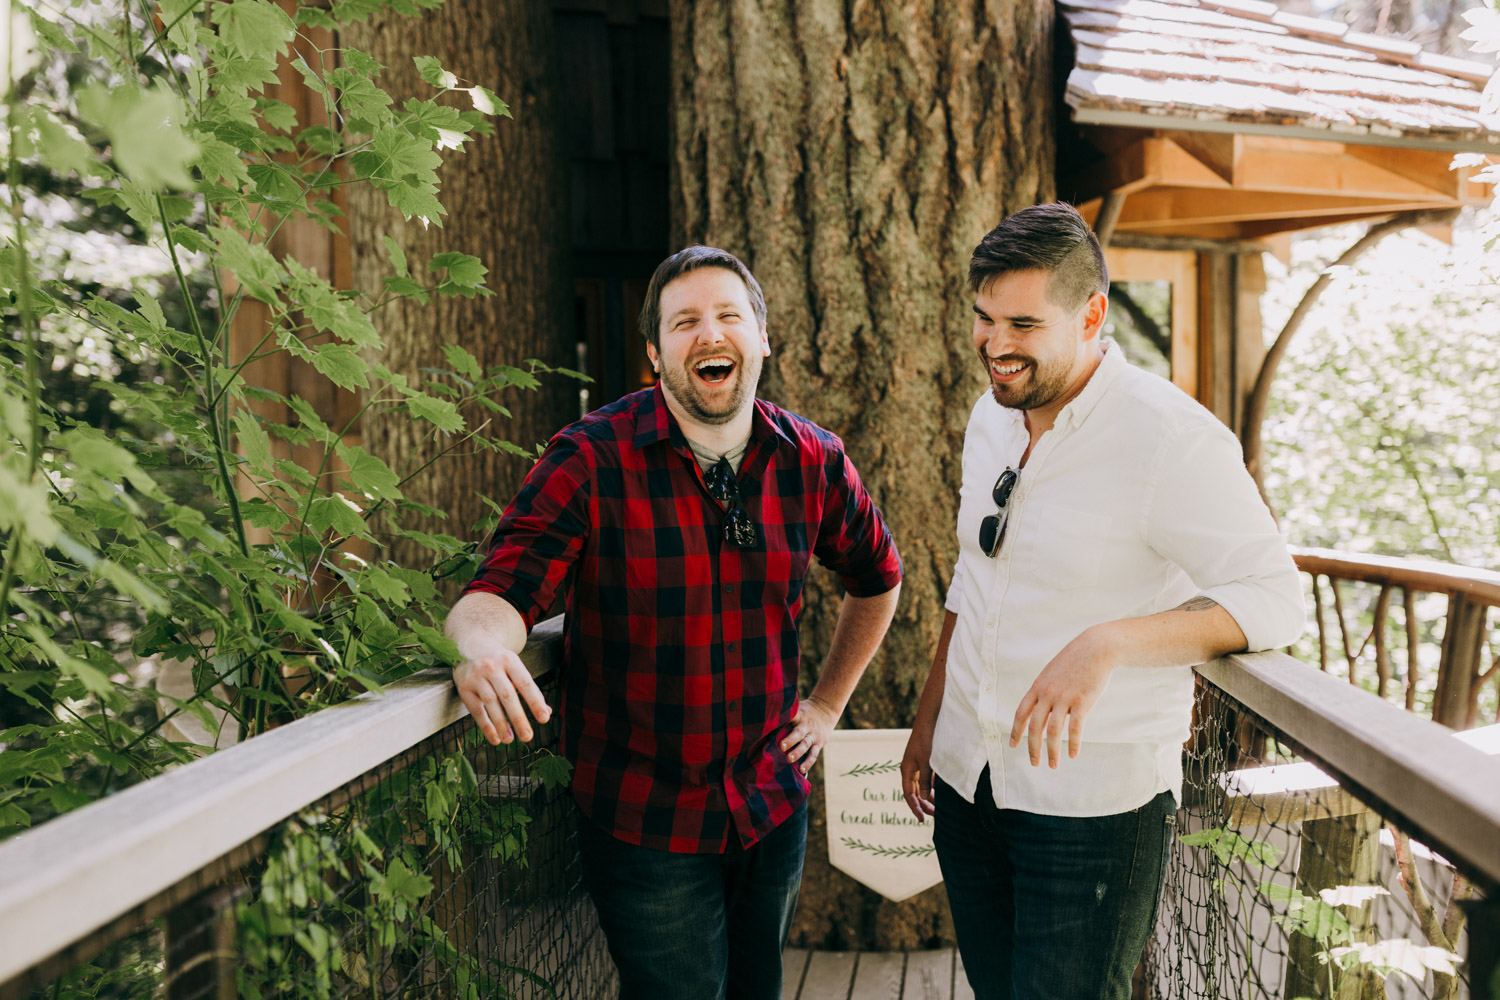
[505, 200]
[853, 154]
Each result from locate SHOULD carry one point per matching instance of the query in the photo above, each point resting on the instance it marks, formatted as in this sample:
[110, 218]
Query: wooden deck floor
[874, 975]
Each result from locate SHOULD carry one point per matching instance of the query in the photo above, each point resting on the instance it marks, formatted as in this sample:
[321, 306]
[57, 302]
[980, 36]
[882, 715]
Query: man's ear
[1094, 312]
[655, 357]
[765, 342]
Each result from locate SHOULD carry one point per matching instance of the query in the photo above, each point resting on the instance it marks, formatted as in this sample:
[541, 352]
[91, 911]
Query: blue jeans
[1050, 907]
[696, 926]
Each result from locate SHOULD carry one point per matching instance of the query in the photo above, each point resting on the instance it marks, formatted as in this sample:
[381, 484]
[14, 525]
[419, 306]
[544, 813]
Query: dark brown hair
[680, 263]
[1050, 238]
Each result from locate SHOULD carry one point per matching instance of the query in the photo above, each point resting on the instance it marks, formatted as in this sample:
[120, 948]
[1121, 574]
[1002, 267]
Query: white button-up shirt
[1136, 500]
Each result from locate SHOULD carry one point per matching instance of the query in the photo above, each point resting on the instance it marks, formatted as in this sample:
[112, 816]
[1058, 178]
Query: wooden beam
[1365, 171]
[1419, 166]
[1124, 171]
[1148, 162]
[1109, 214]
[1148, 241]
[1175, 208]
[1219, 151]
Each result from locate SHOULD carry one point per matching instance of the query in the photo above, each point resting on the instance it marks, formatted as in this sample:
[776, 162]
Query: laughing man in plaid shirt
[679, 523]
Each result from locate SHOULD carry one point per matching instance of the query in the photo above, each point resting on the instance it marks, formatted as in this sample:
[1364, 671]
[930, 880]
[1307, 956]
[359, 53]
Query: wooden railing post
[1463, 638]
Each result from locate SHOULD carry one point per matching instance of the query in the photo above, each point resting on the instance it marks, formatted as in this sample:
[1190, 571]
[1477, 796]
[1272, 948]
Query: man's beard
[689, 391]
[1041, 385]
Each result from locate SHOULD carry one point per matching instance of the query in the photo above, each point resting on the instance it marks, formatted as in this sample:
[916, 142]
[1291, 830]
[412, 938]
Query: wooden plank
[879, 976]
[1481, 585]
[793, 965]
[1445, 791]
[829, 975]
[1175, 207]
[961, 988]
[929, 975]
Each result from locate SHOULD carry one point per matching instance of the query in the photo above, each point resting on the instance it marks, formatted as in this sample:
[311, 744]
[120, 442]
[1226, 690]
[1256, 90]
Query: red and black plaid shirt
[681, 652]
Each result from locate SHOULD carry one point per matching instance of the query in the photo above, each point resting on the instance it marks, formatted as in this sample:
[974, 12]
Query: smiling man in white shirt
[1109, 539]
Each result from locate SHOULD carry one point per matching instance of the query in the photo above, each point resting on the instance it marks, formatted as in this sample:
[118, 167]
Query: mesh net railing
[450, 870]
[1283, 883]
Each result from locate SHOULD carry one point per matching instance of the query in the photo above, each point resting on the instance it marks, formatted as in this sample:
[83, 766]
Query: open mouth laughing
[716, 369]
[1004, 370]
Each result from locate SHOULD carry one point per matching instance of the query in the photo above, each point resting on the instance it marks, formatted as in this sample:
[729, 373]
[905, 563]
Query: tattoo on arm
[1199, 603]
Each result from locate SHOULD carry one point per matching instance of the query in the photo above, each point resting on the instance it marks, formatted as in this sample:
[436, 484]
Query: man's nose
[710, 331]
[995, 342]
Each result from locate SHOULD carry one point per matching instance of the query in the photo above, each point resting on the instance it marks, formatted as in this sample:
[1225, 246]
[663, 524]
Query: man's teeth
[707, 362]
[1010, 369]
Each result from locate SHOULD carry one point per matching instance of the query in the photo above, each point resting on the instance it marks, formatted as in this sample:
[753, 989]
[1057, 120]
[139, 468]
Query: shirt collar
[1080, 406]
[654, 423]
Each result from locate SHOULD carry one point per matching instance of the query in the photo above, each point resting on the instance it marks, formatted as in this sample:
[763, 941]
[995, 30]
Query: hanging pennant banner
[872, 835]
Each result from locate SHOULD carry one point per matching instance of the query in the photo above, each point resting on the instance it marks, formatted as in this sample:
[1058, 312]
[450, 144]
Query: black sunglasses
[992, 528]
[724, 486]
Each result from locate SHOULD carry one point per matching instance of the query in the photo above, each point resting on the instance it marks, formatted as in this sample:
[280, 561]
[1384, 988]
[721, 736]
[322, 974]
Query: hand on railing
[494, 684]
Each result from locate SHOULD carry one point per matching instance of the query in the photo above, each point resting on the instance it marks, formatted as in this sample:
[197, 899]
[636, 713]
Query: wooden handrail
[62, 880]
[1481, 585]
[1444, 790]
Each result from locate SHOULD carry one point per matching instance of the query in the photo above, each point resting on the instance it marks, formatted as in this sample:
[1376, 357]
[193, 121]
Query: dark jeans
[696, 926]
[1050, 907]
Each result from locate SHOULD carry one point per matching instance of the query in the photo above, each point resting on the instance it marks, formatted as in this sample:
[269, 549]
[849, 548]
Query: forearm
[862, 624]
[937, 677]
[479, 622]
[1193, 633]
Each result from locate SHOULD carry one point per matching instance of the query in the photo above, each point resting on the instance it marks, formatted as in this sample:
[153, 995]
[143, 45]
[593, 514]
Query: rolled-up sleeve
[541, 533]
[1208, 518]
[853, 538]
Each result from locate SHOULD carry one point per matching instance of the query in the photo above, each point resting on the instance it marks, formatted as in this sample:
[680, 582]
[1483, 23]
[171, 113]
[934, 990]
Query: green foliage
[150, 510]
[167, 522]
[1325, 917]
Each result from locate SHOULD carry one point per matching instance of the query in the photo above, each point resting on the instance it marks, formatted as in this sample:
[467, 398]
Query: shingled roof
[1246, 67]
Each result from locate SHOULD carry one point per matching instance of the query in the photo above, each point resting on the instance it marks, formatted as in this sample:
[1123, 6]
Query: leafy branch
[880, 851]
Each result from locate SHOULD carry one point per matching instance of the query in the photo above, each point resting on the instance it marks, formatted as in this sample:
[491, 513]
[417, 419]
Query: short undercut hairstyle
[681, 263]
[1052, 238]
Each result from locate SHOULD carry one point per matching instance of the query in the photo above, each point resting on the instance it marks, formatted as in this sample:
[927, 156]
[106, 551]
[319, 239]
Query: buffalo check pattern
[681, 650]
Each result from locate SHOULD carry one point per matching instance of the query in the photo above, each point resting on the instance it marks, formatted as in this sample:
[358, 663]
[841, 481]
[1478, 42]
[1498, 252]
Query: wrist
[825, 704]
[1104, 644]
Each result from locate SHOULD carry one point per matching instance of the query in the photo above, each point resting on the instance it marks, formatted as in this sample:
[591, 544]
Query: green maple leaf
[463, 270]
[251, 263]
[440, 412]
[462, 361]
[254, 28]
[380, 583]
[430, 70]
[336, 513]
[369, 474]
[341, 365]
[145, 129]
[552, 771]
[220, 161]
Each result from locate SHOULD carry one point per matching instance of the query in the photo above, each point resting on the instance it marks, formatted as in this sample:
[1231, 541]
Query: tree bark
[505, 200]
[853, 154]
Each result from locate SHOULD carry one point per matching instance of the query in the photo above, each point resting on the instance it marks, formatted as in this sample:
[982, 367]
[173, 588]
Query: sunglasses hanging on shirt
[724, 486]
[992, 528]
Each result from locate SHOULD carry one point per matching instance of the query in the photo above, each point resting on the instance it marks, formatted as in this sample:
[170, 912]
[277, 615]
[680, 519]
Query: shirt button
[733, 705]
[731, 647]
[989, 687]
[728, 588]
[989, 623]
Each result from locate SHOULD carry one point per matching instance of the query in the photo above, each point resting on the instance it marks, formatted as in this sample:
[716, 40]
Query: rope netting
[1283, 883]
[449, 871]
